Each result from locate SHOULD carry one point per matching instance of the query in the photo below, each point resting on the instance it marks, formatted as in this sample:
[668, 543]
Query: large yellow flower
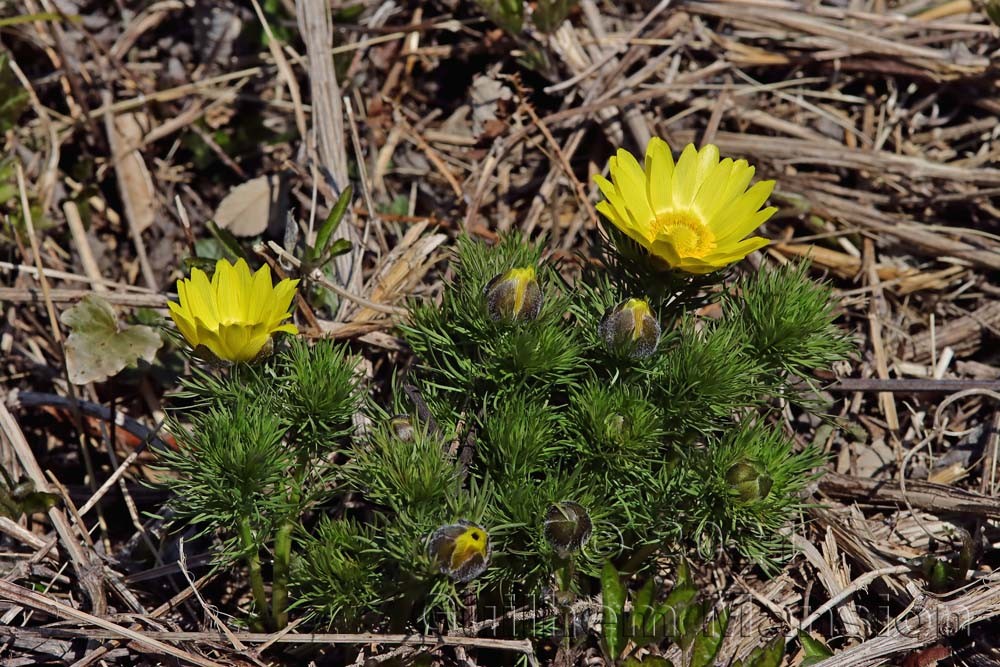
[235, 314]
[691, 215]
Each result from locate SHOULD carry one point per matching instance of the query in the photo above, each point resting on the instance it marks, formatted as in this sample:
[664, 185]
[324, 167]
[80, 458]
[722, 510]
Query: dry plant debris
[129, 126]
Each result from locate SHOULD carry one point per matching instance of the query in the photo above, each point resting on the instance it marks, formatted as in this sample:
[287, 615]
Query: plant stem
[282, 561]
[256, 575]
[283, 551]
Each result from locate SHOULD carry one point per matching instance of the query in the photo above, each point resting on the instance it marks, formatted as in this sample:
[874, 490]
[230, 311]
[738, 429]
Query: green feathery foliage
[547, 430]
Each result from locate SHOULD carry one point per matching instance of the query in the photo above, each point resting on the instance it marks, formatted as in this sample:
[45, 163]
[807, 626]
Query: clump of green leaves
[671, 450]
[257, 449]
[525, 437]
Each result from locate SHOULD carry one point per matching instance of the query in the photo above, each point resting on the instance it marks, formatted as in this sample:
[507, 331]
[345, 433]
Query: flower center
[688, 234]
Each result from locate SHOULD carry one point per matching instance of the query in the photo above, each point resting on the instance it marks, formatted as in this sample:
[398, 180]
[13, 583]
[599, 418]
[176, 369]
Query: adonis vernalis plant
[549, 427]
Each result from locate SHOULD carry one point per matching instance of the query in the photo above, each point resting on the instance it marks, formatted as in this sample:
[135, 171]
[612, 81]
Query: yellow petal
[616, 210]
[659, 175]
[184, 323]
[240, 342]
[685, 179]
[664, 249]
[259, 299]
[280, 300]
[286, 328]
[202, 298]
[745, 225]
[739, 179]
[630, 180]
[731, 223]
[226, 292]
[708, 199]
[737, 251]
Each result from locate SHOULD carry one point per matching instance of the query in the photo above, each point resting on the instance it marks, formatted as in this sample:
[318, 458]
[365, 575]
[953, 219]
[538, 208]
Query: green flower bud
[461, 550]
[402, 427]
[749, 481]
[567, 527]
[630, 328]
[514, 295]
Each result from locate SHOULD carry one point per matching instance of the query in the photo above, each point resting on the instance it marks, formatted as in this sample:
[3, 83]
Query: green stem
[283, 551]
[282, 562]
[256, 574]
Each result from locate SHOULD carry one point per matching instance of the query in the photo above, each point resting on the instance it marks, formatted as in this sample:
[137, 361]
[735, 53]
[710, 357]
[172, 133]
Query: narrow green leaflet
[99, 346]
[642, 608]
[815, 650]
[769, 655]
[708, 641]
[613, 592]
[329, 226]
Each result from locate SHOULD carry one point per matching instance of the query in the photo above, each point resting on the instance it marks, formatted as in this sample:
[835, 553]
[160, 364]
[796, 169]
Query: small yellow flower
[235, 314]
[691, 215]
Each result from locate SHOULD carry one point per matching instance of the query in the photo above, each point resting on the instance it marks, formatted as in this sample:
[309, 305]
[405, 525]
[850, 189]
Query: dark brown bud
[567, 527]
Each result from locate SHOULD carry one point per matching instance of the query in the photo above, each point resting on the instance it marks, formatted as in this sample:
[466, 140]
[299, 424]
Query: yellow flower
[235, 314]
[691, 215]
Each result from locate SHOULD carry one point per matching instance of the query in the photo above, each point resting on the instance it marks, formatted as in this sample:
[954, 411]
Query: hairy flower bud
[630, 328]
[402, 427]
[567, 527]
[749, 481]
[514, 295]
[460, 550]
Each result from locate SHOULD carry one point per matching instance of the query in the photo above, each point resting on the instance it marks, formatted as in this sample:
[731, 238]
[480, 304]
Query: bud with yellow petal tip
[402, 428]
[631, 329]
[567, 527]
[749, 481]
[514, 295]
[461, 550]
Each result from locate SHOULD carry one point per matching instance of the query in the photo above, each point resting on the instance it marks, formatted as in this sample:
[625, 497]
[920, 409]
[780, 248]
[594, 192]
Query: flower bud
[567, 527]
[460, 550]
[749, 481]
[402, 428]
[630, 328]
[514, 295]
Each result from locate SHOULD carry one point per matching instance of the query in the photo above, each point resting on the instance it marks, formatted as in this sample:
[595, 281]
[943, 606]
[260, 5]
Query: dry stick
[910, 385]
[83, 246]
[317, 276]
[875, 329]
[35, 295]
[115, 632]
[315, 22]
[29, 598]
[82, 562]
[581, 194]
[372, 219]
[18, 532]
[72, 277]
[935, 620]
[131, 214]
[415, 137]
[113, 642]
[856, 585]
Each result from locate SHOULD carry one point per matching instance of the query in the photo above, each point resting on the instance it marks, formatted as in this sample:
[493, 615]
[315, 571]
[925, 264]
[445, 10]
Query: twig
[29, 598]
